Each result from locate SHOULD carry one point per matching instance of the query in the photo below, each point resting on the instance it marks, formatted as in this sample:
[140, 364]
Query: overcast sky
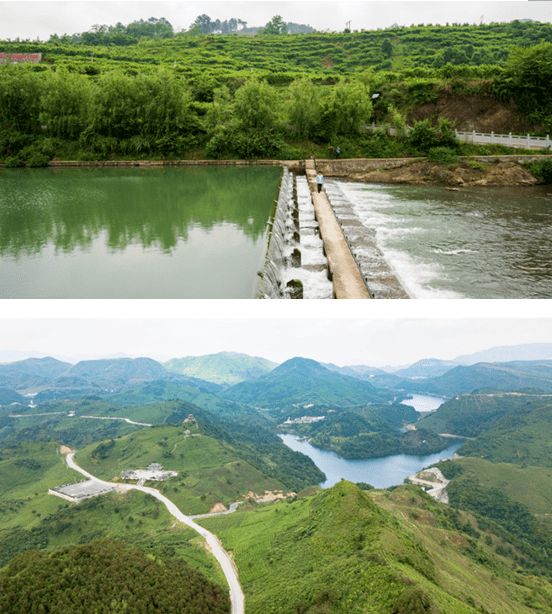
[42, 19]
[342, 332]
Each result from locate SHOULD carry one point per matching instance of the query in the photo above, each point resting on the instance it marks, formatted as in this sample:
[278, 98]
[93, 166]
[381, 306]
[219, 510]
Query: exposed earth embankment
[464, 173]
[467, 171]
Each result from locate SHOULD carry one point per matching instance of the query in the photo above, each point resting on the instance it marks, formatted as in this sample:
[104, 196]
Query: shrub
[12, 142]
[423, 136]
[246, 145]
[14, 162]
[444, 155]
[38, 159]
[542, 169]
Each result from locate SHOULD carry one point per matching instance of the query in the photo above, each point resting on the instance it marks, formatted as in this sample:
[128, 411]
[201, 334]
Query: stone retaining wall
[330, 168]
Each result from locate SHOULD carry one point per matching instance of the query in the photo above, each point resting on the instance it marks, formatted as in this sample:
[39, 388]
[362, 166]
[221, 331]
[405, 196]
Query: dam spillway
[295, 264]
[379, 277]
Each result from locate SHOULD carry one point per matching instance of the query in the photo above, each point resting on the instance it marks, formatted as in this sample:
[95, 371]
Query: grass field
[26, 474]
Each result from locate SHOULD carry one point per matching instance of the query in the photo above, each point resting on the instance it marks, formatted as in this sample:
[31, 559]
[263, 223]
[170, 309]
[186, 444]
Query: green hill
[122, 373]
[344, 550]
[301, 382]
[8, 397]
[224, 368]
[326, 53]
[468, 415]
[522, 437]
[370, 432]
[505, 376]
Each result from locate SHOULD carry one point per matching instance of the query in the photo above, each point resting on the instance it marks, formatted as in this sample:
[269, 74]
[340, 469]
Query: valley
[295, 547]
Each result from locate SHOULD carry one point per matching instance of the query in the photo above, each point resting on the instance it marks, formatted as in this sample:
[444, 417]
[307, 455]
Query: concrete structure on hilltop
[154, 472]
[81, 491]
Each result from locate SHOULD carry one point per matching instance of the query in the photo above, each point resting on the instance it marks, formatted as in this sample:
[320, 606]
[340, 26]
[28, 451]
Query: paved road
[236, 593]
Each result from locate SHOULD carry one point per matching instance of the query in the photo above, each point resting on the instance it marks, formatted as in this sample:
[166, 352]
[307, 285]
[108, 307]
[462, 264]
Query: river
[379, 472]
[475, 243]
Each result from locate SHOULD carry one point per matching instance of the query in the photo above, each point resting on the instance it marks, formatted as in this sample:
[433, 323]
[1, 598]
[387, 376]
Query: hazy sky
[342, 332]
[42, 19]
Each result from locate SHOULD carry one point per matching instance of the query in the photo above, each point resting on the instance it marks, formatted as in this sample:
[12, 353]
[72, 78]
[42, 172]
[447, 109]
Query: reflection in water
[474, 243]
[134, 232]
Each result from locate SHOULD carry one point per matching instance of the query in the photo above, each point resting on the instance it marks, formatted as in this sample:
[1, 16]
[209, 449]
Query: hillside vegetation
[105, 576]
[344, 550]
[469, 415]
[188, 95]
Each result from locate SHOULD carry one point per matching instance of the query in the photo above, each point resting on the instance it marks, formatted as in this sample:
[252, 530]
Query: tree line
[96, 110]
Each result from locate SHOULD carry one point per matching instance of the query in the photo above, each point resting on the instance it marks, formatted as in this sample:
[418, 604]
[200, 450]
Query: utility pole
[348, 25]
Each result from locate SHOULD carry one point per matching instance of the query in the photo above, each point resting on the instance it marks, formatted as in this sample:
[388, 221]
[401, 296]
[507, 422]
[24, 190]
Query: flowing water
[295, 255]
[478, 243]
[134, 232]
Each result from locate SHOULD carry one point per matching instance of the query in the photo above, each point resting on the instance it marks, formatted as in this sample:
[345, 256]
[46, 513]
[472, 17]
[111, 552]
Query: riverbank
[467, 172]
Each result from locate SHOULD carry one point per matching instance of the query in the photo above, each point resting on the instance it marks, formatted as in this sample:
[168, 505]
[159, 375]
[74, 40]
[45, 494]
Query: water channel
[186, 232]
[379, 472]
[474, 243]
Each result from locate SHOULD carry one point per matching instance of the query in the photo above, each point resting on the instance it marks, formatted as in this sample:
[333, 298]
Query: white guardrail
[479, 138]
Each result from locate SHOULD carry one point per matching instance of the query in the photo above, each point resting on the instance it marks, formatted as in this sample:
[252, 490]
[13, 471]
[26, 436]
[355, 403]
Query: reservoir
[474, 243]
[424, 402]
[379, 472]
[186, 232]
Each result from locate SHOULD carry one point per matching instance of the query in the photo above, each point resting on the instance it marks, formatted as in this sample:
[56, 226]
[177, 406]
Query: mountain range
[256, 382]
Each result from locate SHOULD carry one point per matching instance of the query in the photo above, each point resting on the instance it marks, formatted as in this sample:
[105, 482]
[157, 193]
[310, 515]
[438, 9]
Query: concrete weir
[348, 282]
[295, 265]
[378, 275]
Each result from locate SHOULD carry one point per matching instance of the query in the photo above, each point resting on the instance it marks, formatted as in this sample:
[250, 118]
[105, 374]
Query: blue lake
[379, 472]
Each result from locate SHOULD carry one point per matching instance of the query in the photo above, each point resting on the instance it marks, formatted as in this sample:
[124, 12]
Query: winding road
[236, 593]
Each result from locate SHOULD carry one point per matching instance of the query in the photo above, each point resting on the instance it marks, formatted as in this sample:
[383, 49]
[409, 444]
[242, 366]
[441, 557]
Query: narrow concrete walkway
[346, 277]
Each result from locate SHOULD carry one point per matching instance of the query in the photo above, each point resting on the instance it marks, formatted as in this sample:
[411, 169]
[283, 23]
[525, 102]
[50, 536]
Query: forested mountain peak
[299, 366]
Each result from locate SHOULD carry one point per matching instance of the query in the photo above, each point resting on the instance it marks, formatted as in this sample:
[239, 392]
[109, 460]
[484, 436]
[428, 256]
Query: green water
[134, 233]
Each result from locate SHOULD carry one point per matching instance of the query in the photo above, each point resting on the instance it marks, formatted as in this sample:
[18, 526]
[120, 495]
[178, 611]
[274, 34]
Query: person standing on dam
[319, 181]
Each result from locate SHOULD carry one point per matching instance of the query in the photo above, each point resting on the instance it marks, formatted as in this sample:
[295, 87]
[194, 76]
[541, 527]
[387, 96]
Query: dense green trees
[275, 26]
[527, 77]
[256, 105]
[151, 92]
[105, 576]
[65, 104]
